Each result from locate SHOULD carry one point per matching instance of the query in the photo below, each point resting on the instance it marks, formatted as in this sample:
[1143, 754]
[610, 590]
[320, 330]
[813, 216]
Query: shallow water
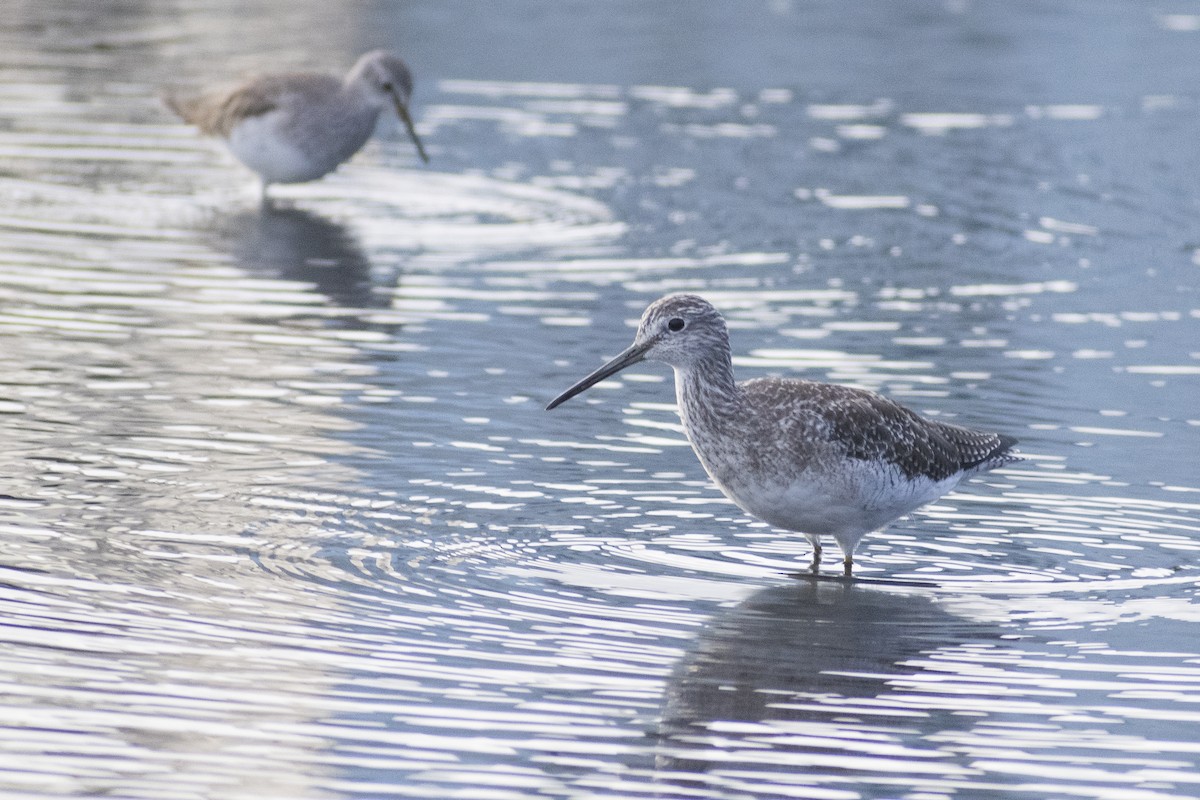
[284, 516]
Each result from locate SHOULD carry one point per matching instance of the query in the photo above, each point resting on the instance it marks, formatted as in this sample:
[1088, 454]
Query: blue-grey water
[283, 516]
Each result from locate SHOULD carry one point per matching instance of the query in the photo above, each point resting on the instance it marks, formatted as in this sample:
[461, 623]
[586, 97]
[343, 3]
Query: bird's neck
[358, 91]
[706, 391]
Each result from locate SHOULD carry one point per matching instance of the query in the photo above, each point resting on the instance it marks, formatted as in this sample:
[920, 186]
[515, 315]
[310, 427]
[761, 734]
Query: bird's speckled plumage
[815, 458]
[296, 127]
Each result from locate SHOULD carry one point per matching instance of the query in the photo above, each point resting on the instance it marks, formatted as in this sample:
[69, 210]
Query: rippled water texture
[283, 516]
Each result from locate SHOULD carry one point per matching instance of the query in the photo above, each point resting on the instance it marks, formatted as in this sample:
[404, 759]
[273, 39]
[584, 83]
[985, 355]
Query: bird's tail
[981, 451]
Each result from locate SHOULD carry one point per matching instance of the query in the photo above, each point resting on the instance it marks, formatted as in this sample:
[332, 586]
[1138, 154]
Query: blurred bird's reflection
[297, 245]
[799, 676]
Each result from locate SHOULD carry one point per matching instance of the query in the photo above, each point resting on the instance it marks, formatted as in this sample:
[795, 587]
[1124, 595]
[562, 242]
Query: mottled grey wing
[241, 104]
[218, 112]
[873, 427]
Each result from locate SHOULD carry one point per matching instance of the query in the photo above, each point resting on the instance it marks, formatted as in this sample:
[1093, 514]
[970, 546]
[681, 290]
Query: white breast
[259, 144]
[860, 497]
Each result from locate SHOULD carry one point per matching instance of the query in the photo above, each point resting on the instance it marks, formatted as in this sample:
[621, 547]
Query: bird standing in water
[815, 458]
[299, 126]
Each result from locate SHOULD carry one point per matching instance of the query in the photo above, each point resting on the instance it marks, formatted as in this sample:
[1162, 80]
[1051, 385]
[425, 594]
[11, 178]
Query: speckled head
[683, 330]
[385, 78]
[383, 74]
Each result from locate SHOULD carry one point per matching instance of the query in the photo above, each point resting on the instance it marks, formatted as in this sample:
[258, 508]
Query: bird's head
[387, 79]
[680, 329]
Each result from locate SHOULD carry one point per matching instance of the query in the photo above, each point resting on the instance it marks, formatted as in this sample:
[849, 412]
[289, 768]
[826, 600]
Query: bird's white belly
[847, 503]
[259, 144]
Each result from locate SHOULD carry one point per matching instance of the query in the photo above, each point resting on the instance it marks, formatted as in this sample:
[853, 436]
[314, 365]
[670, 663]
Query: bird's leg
[815, 566]
[848, 565]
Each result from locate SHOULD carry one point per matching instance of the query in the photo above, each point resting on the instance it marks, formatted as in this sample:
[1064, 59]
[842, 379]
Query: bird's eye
[676, 324]
[387, 86]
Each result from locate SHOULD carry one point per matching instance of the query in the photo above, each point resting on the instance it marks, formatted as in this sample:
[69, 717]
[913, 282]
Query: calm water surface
[283, 516]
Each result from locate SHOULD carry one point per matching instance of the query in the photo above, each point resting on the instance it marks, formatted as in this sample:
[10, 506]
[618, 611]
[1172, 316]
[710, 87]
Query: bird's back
[833, 421]
[218, 111]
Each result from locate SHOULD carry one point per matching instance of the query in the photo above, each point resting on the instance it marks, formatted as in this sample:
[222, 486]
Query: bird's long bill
[633, 354]
[402, 112]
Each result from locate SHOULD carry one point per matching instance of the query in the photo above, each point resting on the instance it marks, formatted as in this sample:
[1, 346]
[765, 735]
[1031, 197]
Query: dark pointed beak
[402, 112]
[633, 354]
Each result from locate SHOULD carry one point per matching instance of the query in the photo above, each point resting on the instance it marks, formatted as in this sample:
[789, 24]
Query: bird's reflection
[799, 675]
[280, 241]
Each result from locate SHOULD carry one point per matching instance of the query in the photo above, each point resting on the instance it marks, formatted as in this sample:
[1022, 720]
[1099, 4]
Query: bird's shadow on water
[796, 677]
[280, 241]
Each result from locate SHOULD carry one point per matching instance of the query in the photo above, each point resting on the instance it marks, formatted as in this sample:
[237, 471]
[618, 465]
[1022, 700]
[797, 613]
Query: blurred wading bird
[298, 126]
[816, 458]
